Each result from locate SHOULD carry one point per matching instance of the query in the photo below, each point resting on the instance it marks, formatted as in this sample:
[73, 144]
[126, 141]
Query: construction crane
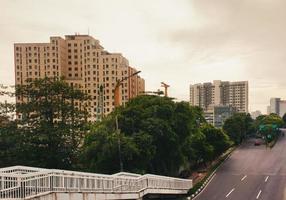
[165, 86]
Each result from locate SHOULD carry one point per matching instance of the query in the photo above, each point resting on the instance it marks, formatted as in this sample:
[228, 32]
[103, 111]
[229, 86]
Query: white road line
[230, 192]
[266, 179]
[257, 197]
[206, 185]
[244, 178]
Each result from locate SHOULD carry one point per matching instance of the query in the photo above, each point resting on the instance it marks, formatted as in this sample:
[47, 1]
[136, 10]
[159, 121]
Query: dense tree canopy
[51, 126]
[238, 127]
[272, 119]
[157, 135]
[284, 119]
[217, 138]
[154, 135]
[6, 107]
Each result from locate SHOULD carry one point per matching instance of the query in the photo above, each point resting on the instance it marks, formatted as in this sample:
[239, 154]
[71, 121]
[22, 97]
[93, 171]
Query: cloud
[252, 33]
[180, 42]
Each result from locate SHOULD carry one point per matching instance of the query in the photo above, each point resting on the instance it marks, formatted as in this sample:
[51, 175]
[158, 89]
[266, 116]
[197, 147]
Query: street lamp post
[117, 89]
[117, 104]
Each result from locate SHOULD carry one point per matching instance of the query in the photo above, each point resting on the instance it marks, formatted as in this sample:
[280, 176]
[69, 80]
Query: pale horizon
[178, 42]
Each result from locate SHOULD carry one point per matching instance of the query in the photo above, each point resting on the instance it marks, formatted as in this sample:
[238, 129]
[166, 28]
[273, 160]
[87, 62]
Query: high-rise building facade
[84, 64]
[218, 115]
[208, 95]
[277, 106]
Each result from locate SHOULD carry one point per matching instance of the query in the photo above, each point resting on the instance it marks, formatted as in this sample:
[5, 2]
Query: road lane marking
[244, 178]
[230, 192]
[257, 197]
[206, 185]
[266, 179]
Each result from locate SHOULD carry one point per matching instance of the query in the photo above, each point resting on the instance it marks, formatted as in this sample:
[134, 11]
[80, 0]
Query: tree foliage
[217, 138]
[154, 135]
[284, 119]
[7, 108]
[51, 126]
[157, 136]
[238, 127]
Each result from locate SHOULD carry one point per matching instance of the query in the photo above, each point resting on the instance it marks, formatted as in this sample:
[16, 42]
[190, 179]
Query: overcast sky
[180, 42]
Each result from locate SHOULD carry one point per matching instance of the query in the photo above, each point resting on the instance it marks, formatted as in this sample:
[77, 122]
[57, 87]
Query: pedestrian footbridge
[20, 182]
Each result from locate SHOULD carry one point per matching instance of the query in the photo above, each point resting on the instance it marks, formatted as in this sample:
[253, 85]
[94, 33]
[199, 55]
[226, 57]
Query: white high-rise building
[208, 95]
[277, 106]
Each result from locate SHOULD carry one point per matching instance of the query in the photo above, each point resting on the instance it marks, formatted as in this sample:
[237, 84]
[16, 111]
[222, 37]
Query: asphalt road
[251, 172]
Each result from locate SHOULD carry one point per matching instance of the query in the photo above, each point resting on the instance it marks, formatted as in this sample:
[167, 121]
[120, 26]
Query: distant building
[84, 64]
[268, 110]
[255, 114]
[277, 106]
[218, 114]
[208, 95]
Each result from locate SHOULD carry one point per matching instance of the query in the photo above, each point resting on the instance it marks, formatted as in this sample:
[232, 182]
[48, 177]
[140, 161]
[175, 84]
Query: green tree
[284, 119]
[155, 136]
[273, 119]
[238, 127]
[217, 138]
[10, 143]
[200, 150]
[268, 126]
[6, 108]
[52, 123]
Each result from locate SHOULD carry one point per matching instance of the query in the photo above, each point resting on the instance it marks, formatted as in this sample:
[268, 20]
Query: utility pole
[100, 112]
[117, 100]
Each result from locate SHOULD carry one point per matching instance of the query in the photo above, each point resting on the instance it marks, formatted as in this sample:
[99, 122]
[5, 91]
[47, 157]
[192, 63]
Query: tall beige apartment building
[84, 64]
[208, 95]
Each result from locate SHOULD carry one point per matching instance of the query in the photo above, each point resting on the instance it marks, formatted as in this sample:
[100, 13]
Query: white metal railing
[21, 182]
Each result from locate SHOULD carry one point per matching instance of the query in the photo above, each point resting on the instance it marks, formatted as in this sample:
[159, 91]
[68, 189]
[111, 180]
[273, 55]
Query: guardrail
[20, 182]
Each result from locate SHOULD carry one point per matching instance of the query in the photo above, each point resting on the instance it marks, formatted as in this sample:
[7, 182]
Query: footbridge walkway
[20, 182]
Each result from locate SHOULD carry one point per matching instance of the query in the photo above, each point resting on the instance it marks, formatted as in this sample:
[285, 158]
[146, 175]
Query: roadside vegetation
[150, 134]
[154, 134]
[241, 126]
